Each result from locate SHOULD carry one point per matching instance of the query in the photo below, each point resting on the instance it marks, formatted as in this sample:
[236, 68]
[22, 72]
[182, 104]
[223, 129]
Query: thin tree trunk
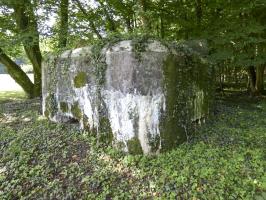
[63, 32]
[27, 24]
[252, 79]
[256, 80]
[259, 79]
[17, 74]
[144, 17]
[162, 26]
[199, 12]
[128, 24]
[161, 7]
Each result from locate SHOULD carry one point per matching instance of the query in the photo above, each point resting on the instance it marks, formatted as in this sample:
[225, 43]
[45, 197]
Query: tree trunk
[17, 74]
[256, 80]
[260, 79]
[252, 79]
[199, 12]
[63, 32]
[128, 24]
[162, 26]
[27, 25]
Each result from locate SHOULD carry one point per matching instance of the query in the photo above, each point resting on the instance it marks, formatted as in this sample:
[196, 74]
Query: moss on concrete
[105, 131]
[172, 132]
[46, 113]
[139, 46]
[188, 88]
[50, 106]
[154, 143]
[86, 125]
[80, 80]
[63, 106]
[134, 146]
[76, 111]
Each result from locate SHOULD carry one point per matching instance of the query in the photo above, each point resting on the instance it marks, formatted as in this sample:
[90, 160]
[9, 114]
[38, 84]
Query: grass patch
[43, 160]
[8, 96]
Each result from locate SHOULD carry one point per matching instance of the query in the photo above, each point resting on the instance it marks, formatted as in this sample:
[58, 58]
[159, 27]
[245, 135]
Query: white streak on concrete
[133, 113]
[84, 97]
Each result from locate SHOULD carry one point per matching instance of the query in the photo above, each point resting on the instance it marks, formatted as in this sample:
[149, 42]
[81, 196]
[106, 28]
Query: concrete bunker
[141, 97]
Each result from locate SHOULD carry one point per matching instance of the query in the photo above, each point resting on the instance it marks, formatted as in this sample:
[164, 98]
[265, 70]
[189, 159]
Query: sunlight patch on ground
[10, 96]
[8, 84]
[9, 90]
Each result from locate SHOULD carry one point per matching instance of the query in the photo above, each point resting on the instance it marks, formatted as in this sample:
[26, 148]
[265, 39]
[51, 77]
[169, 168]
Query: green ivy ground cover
[43, 160]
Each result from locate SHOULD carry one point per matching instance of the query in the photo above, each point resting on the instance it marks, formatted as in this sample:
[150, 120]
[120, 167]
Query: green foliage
[40, 159]
[134, 146]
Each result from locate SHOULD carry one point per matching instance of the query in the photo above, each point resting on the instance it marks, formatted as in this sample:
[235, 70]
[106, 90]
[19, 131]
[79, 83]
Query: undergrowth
[43, 160]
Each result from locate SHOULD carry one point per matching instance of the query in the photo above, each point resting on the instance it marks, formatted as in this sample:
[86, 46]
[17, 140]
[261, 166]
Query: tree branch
[92, 25]
[17, 73]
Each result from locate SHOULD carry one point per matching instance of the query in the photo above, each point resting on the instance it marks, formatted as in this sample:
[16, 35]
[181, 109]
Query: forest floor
[43, 160]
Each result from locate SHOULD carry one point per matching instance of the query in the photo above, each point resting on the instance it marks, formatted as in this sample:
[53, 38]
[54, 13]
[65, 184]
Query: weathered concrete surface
[142, 97]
